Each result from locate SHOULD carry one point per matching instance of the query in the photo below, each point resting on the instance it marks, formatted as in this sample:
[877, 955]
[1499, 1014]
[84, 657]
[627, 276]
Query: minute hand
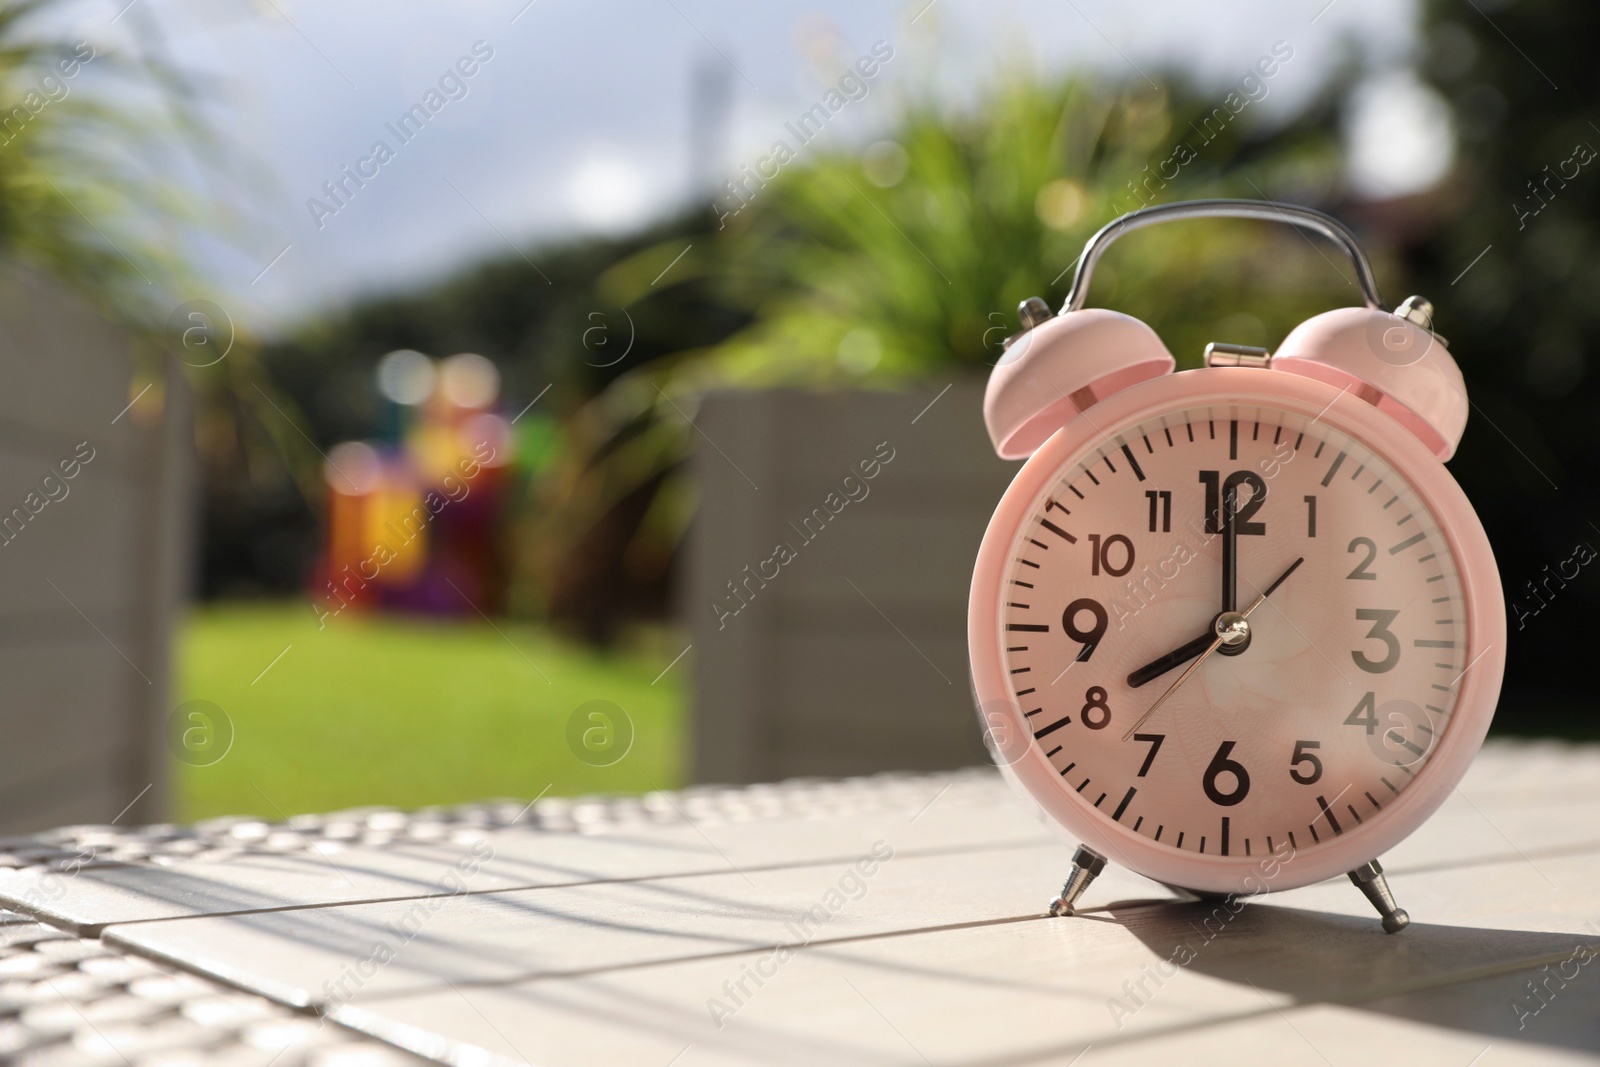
[1230, 547]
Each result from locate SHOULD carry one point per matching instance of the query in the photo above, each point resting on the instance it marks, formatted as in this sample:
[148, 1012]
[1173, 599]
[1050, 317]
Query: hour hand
[1180, 655]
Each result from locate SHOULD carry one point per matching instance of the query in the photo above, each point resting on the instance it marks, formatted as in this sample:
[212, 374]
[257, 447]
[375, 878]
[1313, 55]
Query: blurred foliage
[1523, 321]
[105, 149]
[85, 164]
[877, 267]
[886, 265]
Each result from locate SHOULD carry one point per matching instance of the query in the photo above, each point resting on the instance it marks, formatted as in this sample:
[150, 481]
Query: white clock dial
[1351, 670]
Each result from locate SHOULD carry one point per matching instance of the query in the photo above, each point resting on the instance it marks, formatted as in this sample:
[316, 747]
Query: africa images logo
[854, 85]
[453, 84]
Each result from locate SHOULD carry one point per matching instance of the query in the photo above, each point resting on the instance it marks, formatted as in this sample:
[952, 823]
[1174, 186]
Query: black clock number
[1311, 516]
[1096, 713]
[1380, 620]
[1090, 638]
[1220, 763]
[1100, 555]
[1363, 569]
[1213, 500]
[1164, 498]
[1302, 755]
[1228, 497]
[1154, 741]
[1365, 713]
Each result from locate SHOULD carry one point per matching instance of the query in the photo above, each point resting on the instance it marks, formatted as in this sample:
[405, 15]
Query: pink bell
[1063, 366]
[1392, 361]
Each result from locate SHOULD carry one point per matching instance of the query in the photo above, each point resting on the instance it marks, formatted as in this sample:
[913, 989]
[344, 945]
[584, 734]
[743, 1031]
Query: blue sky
[580, 119]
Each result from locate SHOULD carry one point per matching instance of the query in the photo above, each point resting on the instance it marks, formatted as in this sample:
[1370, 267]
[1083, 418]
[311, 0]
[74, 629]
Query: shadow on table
[1460, 978]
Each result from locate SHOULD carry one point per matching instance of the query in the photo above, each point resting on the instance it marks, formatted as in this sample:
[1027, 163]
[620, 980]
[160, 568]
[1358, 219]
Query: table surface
[886, 920]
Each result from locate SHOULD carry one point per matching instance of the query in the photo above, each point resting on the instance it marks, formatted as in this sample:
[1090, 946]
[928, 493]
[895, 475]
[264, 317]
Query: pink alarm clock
[1236, 628]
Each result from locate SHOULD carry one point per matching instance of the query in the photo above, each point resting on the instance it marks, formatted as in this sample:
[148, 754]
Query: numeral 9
[1090, 638]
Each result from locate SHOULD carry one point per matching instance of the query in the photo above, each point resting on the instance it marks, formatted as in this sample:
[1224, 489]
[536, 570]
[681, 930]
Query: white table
[886, 920]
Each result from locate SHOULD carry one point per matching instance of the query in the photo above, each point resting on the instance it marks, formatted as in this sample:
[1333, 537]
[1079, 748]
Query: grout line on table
[700, 957]
[95, 930]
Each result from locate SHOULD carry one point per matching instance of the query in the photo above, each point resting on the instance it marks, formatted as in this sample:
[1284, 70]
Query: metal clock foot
[1370, 880]
[1086, 866]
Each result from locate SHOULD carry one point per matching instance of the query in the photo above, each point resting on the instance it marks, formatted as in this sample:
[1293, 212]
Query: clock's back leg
[1370, 880]
[1086, 866]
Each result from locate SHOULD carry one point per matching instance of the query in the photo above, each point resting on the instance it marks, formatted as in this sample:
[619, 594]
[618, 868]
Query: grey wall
[89, 585]
[853, 658]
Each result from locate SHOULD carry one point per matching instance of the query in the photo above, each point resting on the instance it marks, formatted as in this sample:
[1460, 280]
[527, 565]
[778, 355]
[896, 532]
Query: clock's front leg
[1086, 867]
[1370, 880]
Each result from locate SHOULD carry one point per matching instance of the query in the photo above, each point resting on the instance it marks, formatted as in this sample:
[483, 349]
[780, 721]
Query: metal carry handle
[1267, 210]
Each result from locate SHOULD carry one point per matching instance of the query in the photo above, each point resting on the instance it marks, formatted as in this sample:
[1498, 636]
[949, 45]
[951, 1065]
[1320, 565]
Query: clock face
[1323, 715]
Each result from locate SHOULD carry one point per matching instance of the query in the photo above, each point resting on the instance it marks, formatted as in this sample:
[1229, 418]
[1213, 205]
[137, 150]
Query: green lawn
[406, 712]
